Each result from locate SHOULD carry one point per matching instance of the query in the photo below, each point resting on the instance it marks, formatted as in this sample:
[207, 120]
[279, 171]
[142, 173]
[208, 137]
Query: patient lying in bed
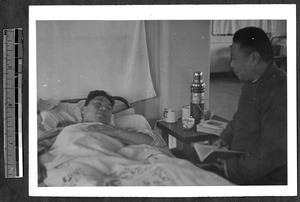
[93, 153]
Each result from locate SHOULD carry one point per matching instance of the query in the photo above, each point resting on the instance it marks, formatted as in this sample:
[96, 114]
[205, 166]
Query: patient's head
[98, 107]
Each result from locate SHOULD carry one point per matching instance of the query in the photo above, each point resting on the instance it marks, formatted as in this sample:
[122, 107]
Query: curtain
[75, 57]
[229, 27]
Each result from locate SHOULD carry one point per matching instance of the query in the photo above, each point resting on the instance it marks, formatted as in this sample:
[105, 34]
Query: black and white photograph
[121, 105]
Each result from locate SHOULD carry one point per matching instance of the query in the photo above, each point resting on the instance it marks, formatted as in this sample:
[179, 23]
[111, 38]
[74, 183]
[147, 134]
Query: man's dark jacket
[259, 128]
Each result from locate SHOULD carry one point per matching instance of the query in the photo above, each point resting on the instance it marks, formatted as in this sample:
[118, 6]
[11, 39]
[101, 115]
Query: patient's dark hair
[95, 93]
[254, 39]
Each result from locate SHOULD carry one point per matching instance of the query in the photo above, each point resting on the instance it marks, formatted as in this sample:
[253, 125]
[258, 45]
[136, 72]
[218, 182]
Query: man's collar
[270, 68]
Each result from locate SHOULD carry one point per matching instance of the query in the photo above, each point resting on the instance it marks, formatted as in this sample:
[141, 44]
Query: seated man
[259, 126]
[98, 109]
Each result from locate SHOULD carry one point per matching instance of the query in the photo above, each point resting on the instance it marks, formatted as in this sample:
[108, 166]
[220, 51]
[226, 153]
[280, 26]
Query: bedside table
[184, 138]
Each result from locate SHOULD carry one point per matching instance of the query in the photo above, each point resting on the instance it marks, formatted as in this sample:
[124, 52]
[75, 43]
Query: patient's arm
[131, 137]
[134, 137]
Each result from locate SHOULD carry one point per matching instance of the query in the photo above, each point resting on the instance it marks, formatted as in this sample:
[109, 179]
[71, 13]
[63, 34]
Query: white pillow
[125, 112]
[132, 122]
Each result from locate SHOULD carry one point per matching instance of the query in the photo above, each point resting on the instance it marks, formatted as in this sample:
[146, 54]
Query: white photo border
[174, 12]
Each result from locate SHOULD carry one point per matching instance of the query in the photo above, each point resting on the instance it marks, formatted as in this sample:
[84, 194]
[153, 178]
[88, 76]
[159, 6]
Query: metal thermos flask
[197, 97]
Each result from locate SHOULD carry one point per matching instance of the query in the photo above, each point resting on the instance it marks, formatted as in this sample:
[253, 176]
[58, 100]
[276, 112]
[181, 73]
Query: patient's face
[99, 109]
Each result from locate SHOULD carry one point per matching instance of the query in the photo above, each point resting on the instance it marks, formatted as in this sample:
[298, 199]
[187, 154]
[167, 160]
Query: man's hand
[220, 143]
[221, 166]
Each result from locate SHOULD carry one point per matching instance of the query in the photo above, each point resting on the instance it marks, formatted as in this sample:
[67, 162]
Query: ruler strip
[12, 101]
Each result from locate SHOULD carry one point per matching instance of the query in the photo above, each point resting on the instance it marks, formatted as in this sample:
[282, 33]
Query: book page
[210, 153]
[204, 151]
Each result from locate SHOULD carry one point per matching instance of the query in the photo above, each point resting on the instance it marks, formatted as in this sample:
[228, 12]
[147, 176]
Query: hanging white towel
[75, 57]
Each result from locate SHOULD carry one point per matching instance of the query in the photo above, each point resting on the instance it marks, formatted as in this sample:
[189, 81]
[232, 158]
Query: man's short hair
[95, 93]
[254, 39]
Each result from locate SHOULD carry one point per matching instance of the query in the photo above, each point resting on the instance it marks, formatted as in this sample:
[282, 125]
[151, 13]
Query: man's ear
[255, 57]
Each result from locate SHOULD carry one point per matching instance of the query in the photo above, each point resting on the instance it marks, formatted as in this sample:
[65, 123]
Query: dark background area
[14, 14]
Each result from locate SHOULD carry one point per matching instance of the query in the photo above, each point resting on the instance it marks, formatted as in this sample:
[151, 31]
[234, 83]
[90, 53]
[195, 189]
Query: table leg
[165, 136]
[187, 149]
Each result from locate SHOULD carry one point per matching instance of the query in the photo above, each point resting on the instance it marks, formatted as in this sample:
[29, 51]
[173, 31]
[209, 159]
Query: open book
[210, 153]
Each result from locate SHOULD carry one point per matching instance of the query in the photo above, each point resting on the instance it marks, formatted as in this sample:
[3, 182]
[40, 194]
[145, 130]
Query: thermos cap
[198, 77]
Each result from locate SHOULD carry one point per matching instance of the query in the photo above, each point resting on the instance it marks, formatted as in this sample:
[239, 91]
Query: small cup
[170, 115]
[188, 123]
[186, 111]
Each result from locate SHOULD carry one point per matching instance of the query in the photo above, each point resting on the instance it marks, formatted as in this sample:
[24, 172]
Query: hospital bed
[79, 157]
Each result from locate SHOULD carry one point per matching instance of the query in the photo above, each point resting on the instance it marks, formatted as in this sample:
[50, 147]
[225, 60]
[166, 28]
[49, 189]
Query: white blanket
[82, 157]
